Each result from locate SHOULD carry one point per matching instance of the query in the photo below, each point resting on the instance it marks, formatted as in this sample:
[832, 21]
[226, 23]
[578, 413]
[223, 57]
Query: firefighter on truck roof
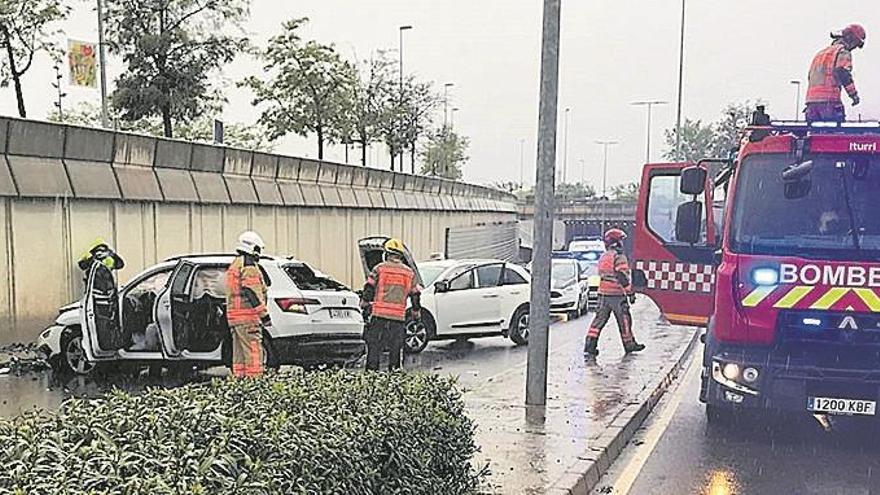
[830, 71]
[615, 295]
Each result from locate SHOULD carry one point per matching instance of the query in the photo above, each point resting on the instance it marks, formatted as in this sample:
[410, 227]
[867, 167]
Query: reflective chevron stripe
[829, 298]
[793, 297]
[758, 295]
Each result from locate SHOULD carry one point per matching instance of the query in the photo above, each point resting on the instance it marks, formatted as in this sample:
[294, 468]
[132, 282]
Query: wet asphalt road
[473, 362]
[781, 455]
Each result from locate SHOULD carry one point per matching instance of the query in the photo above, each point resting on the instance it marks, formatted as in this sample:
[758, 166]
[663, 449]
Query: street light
[400, 64]
[446, 102]
[564, 170]
[650, 105]
[452, 118]
[605, 145]
[680, 83]
[522, 164]
[105, 115]
[797, 102]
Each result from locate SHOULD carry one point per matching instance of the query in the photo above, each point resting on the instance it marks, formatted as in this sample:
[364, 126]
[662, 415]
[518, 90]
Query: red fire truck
[776, 251]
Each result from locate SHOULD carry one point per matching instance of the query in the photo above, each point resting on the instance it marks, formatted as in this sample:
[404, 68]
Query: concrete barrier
[63, 186]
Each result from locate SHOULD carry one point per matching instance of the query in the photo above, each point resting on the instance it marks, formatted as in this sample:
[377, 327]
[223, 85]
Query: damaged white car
[175, 313]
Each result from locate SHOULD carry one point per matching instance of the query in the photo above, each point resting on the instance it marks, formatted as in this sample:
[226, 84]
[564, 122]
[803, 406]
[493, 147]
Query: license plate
[848, 407]
[340, 314]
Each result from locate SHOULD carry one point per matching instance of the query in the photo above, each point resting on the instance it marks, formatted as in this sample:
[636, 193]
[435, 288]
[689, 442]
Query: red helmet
[856, 33]
[614, 236]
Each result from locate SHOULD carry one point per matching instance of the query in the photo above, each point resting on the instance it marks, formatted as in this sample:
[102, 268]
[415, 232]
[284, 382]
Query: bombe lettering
[834, 276]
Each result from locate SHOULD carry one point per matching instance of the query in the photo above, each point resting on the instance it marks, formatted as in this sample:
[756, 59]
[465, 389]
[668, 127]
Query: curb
[582, 476]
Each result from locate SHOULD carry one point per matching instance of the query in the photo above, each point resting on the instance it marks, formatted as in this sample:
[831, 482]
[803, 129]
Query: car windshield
[563, 273]
[589, 268]
[835, 216]
[430, 273]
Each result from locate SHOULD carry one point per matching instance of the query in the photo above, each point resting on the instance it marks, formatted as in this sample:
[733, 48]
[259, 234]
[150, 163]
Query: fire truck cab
[776, 251]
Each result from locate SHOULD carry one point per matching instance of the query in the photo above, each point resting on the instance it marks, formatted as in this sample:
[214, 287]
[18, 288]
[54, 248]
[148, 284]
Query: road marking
[624, 483]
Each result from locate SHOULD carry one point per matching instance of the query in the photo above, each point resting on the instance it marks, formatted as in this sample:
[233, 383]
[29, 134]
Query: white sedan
[175, 313]
[463, 299]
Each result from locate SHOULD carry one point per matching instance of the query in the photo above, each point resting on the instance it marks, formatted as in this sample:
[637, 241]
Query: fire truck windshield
[837, 219]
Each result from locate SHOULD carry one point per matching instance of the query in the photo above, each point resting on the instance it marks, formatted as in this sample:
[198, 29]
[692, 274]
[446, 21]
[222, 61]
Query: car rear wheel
[73, 358]
[418, 334]
[519, 326]
[272, 361]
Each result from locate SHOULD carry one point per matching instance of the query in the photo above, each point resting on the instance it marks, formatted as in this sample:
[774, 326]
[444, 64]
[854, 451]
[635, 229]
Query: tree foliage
[444, 154]
[308, 88]
[369, 101]
[24, 32]
[575, 191]
[419, 100]
[701, 140]
[236, 134]
[625, 192]
[171, 49]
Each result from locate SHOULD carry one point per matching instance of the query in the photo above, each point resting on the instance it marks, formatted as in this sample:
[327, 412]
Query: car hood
[70, 307]
[372, 251]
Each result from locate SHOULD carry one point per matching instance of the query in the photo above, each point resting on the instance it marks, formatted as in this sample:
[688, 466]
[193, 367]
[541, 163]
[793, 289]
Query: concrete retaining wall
[61, 187]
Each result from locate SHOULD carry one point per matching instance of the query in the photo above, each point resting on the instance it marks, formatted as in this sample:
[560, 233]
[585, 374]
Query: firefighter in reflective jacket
[615, 295]
[386, 291]
[246, 310]
[831, 70]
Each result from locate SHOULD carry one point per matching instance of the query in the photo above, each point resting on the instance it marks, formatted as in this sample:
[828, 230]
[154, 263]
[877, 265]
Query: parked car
[463, 298]
[590, 272]
[175, 312]
[587, 245]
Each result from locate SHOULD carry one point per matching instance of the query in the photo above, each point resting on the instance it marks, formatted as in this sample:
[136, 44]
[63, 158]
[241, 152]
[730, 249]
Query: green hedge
[326, 432]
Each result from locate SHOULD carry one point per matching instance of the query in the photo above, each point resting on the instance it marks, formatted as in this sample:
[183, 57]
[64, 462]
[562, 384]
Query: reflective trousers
[620, 307]
[831, 111]
[248, 358]
[382, 334]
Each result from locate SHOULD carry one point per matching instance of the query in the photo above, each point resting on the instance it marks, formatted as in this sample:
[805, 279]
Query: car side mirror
[693, 180]
[718, 257]
[441, 286]
[688, 222]
[639, 280]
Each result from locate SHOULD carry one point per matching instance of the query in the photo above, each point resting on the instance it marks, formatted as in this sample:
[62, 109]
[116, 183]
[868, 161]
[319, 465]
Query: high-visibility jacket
[245, 292]
[388, 287]
[614, 277]
[831, 70]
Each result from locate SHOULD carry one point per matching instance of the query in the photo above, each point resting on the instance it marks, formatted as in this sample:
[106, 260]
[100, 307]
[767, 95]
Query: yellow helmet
[394, 246]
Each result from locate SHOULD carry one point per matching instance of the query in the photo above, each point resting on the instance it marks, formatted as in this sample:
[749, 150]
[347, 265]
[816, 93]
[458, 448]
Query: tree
[408, 117]
[307, 89]
[507, 186]
[368, 102]
[236, 134]
[575, 191]
[171, 48]
[625, 192]
[24, 32]
[712, 140]
[444, 154]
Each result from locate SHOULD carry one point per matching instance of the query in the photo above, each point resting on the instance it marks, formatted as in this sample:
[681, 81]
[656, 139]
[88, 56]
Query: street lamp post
[539, 319]
[452, 118]
[400, 123]
[522, 164]
[446, 102]
[605, 145]
[105, 114]
[650, 105]
[797, 101]
[680, 82]
[565, 147]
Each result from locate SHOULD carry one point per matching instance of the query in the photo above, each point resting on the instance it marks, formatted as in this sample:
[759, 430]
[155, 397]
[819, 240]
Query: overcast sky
[614, 52]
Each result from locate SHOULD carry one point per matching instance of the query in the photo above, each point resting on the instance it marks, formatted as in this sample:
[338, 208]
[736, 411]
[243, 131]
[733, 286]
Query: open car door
[677, 274]
[372, 251]
[100, 319]
[191, 312]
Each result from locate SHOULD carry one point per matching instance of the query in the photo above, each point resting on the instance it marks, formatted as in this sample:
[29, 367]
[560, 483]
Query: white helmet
[250, 243]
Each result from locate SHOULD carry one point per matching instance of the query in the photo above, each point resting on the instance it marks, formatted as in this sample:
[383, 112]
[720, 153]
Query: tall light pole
[650, 105]
[522, 163]
[452, 118]
[605, 145]
[680, 82]
[539, 321]
[446, 102]
[797, 101]
[105, 115]
[565, 147]
[400, 123]
[583, 170]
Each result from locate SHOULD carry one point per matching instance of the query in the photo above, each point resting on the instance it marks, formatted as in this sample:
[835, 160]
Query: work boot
[591, 346]
[633, 347]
